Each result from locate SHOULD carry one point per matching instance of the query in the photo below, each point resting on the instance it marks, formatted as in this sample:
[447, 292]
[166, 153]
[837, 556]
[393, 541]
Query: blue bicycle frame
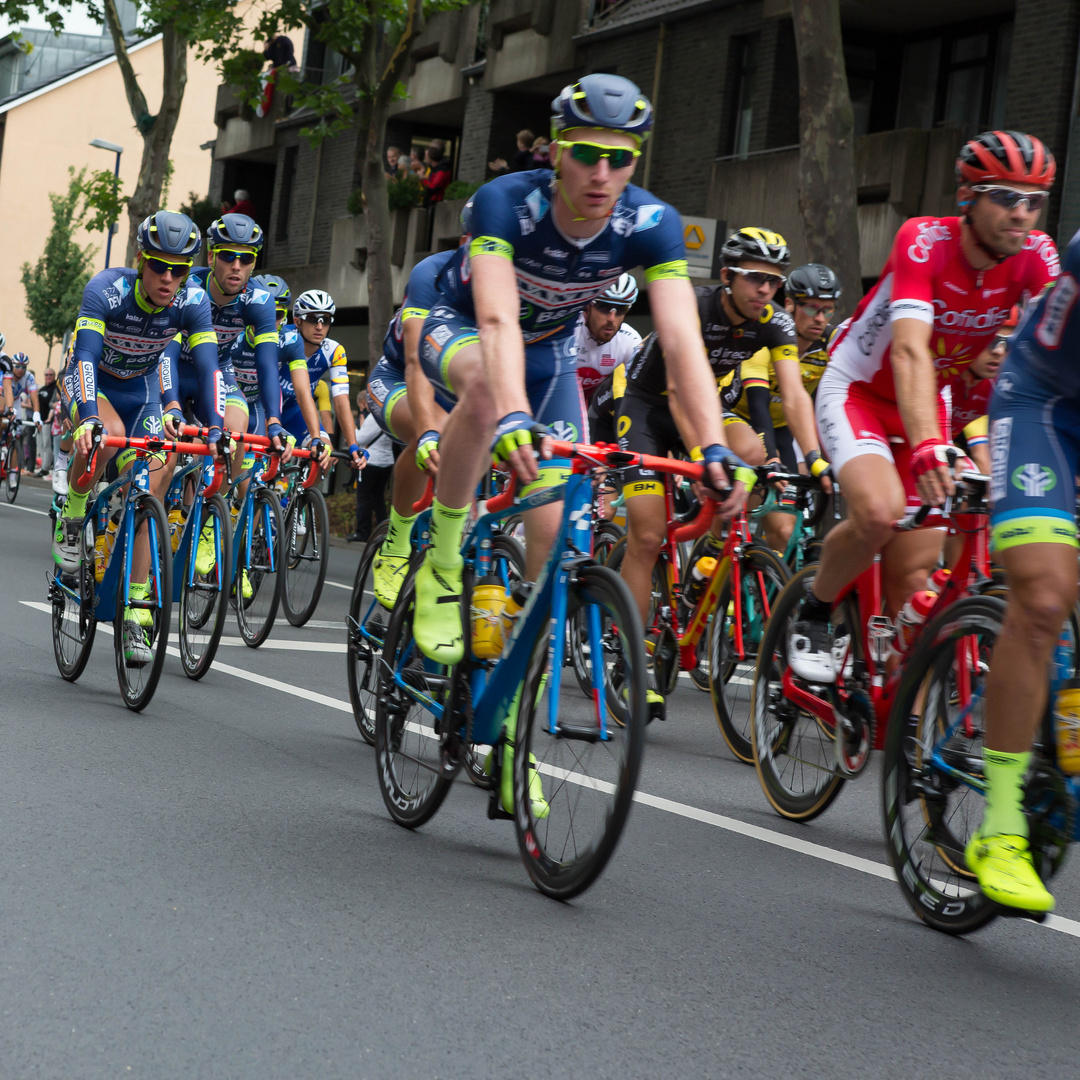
[193, 526]
[247, 512]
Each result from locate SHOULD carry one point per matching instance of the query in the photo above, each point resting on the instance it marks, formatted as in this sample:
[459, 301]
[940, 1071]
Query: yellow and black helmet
[761, 245]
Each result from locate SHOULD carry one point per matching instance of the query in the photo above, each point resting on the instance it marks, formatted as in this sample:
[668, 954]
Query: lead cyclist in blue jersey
[126, 320]
[500, 340]
[1035, 456]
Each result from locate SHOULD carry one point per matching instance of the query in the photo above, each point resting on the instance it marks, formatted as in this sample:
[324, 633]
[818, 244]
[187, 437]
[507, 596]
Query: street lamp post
[101, 144]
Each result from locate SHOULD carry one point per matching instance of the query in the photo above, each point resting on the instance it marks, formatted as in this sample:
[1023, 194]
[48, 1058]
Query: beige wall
[47, 134]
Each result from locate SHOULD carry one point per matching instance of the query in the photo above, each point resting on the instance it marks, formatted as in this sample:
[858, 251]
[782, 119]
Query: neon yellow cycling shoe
[388, 571]
[245, 586]
[141, 616]
[437, 619]
[1006, 873]
[655, 703]
[540, 808]
[206, 555]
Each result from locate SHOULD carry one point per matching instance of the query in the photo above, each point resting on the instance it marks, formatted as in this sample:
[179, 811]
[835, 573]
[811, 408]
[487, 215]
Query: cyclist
[6, 399]
[307, 354]
[23, 382]
[408, 408]
[602, 339]
[242, 355]
[126, 320]
[948, 285]
[810, 297]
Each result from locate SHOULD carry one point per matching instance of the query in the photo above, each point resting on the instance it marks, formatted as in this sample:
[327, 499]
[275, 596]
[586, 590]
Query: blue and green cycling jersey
[421, 295]
[328, 357]
[120, 333]
[557, 275]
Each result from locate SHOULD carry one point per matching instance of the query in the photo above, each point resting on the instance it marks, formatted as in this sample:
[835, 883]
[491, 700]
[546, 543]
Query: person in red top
[438, 177]
[948, 286]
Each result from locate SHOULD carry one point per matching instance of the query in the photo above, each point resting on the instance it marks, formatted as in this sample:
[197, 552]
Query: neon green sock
[1004, 778]
[75, 506]
[139, 590]
[398, 534]
[447, 529]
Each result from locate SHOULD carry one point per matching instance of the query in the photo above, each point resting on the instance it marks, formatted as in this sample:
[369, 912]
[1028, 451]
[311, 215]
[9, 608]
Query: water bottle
[699, 578]
[103, 545]
[1067, 705]
[517, 600]
[912, 616]
[177, 517]
[937, 581]
[489, 599]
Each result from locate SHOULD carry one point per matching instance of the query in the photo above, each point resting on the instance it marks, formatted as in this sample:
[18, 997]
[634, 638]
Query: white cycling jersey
[595, 362]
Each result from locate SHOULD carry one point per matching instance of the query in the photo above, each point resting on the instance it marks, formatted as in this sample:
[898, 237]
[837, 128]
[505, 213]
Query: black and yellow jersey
[760, 370]
[726, 344]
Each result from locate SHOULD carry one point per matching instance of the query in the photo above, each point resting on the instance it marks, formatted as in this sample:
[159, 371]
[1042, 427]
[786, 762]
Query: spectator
[280, 52]
[395, 164]
[29, 430]
[55, 431]
[438, 174]
[540, 149]
[371, 485]
[522, 159]
[242, 204]
[48, 399]
[415, 164]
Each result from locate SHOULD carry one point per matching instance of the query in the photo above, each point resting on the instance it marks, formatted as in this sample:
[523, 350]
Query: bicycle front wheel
[366, 632]
[141, 628]
[307, 533]
[258, 577]
[573, 788]
[13, 467]
[73, 624]
[203, 596]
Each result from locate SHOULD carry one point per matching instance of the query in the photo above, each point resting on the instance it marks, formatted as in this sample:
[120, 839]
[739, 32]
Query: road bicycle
[11, 456]
[428, 716]
[107, 540]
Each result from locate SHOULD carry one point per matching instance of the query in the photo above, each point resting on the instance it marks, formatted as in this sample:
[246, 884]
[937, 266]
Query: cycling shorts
[187, 390]
[853, 421]
[602, 409]
[137, 401]
[644, 425]
[385, 388]
[1034, 454]
[256, 418]
[292, 419]
[551, 382]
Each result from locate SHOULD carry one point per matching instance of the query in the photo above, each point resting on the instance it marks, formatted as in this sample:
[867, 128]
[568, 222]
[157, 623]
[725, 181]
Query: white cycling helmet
[623, 291]
[3, 342]
[314, 302]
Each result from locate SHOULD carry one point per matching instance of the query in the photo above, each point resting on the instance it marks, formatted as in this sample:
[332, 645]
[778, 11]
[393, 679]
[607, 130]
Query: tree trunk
[157, 131]
[827, 191]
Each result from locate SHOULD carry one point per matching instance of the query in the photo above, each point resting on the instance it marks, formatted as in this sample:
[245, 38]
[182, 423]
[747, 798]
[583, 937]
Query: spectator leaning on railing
[438, 176]
[522, 159]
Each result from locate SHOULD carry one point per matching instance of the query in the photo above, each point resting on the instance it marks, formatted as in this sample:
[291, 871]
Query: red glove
[931, 453]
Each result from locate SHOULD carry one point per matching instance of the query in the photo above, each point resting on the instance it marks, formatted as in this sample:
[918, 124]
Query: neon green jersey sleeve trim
[199, 339]
[295, 365]
[270, 335]
[413, 313]
[669, 271]
[492, 245]
[85, 323]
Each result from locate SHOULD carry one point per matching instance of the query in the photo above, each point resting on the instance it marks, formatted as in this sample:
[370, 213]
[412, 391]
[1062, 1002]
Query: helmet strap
[726, 286]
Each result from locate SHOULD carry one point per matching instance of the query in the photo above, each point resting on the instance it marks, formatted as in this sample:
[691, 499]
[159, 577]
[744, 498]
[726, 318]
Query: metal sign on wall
[702, 249]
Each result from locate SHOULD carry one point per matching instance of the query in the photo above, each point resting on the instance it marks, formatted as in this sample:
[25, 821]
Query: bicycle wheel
[588, 781]
[928, 814]
[794, 753]
[366, 632]
[731, 672]
[307, 550]
[13, 466]
[408, 762]
[258, 570]
[73, 624]
[204, 601]
[139, 644]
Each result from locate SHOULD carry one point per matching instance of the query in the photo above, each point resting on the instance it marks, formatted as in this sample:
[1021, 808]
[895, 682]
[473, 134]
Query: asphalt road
[213, 888]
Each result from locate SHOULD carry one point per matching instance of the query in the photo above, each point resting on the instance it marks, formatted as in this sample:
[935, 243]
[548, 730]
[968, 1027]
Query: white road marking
[26, 509]
[720, 821]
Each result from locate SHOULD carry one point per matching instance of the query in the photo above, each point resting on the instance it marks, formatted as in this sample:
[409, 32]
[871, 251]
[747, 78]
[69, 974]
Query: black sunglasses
[161, 267]
[610, 309]
[1009, 198]
[246, 257]
[319, 320]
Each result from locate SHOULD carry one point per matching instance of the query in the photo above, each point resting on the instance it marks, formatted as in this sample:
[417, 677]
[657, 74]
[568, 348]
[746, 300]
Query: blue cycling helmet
[275, 286]
[166, 233]
[602, 101]
[20, 359]
[466, 217]
[236, 229]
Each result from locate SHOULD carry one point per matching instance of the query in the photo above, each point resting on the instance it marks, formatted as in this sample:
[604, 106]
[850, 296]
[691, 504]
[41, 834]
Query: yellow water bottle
[488, 601]
[1067, 725]
[103, 545]
[699, 577]
[176, 526]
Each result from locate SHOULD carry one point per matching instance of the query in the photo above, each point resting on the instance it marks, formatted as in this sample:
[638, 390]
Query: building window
[288, 177]
[745, 56]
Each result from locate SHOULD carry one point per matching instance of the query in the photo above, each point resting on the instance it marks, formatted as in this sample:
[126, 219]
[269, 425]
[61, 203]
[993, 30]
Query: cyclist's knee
[645, 538]
[872, 519]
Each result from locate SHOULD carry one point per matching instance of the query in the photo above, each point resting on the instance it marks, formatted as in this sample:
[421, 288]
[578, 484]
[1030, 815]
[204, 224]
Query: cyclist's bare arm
[426, 414]
[798, 408]
[682, 422]
[301, 381]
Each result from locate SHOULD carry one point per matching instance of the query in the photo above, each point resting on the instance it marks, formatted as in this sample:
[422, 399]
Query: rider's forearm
[344, 415]
[302, 387]
[682, 422]
[690, 377]
[503, 350]
[916, 392]
[799, 413]
[426, 414]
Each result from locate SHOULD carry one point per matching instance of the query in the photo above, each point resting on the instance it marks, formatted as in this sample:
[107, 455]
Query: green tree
[54, 287]
[373, 37]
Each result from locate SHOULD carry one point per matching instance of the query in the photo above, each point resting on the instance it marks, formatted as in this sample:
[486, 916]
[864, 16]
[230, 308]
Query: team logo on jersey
[152, 424]
[564, 430]
[1042, 243]
[929, 234]
[648, 216]
[537, 203]
[970, 319]
[258, 296]
[1034, 480]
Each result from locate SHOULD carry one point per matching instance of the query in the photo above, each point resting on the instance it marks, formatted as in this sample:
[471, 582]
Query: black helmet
[275, 286]
[169, 234]
[762, 245]
[814, 281]
[235, 229]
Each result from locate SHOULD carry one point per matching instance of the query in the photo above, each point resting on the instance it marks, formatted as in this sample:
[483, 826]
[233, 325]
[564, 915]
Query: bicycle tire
[403, 725]
[925, 846]
[562, 853]
[307, 555]
[365, 637]
[205, 602]
[73, 651]
[262, 566]
[137, 690]
[726, 677]
[13, 466]
[779, 725]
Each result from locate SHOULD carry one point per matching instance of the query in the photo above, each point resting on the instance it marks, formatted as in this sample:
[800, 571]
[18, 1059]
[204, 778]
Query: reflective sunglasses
[226, 255]
[609, 308]
[161, 267]
[999, 341]
[1009, 198]
[319, 320]
[759, 277]
[589, 154]
[814, 310]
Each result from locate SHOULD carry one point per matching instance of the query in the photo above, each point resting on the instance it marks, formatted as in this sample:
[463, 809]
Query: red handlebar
[153, 446]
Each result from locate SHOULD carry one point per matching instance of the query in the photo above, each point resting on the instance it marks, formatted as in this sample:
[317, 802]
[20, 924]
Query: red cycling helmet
[1005, 157]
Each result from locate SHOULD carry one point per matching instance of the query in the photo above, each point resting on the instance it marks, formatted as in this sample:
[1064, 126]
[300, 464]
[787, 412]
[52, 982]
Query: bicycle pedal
[495, 812]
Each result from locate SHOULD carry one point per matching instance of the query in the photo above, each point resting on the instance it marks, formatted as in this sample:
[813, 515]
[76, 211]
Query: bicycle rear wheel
[258, 571]
[73, 624]
[928, 814]
[731, 672]
[204, 597]
[139, 641]
[307, 548]
[407, 745]
[588, 781]
[366, 633]
[13, 467]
